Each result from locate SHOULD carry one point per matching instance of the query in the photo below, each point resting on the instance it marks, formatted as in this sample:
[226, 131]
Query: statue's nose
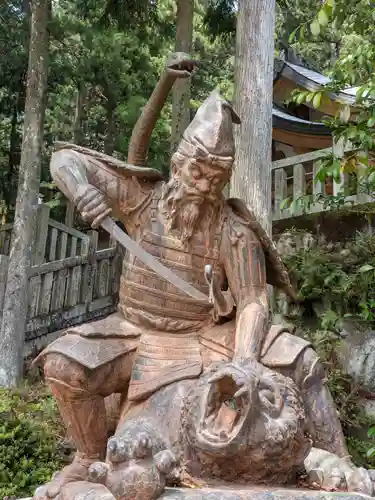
[204, 186]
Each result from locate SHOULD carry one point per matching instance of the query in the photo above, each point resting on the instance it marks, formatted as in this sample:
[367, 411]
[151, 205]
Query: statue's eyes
[215, 180]
[196, 173]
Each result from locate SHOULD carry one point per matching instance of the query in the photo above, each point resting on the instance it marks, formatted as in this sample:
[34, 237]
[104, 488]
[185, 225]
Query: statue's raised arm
[99, 184]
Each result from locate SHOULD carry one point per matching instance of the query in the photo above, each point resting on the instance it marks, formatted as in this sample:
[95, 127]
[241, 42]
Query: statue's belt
[161, 360]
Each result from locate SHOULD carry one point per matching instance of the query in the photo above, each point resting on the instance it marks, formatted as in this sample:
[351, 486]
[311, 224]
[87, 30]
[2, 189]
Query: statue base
[241, 492]
[253, 493]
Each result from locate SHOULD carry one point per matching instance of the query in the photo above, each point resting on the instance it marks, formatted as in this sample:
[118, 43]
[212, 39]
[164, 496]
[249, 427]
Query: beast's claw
[165, 461]
[98, 472]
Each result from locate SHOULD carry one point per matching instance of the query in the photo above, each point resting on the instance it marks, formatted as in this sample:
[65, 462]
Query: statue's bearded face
[203, 181]
[193, 194]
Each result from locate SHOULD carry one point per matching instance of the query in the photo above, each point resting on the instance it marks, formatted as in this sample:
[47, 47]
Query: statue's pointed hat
[210, 135]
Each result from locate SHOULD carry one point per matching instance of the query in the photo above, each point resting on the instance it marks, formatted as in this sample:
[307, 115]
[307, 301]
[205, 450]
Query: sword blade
[111, 227]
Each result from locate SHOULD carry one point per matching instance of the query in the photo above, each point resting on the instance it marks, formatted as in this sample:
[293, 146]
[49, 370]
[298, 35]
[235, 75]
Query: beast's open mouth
[224, 414]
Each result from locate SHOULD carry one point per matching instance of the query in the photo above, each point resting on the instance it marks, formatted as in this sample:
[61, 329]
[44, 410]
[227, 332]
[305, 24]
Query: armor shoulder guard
[277, 275]
[125, 169]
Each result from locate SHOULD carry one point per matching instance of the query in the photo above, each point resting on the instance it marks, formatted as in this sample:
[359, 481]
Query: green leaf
[310, 96]
[315, 28]
[371, 432]
[370, 453]
[366, 268]
[301, 97]
[294, 206]
[371, 122]
[317, 100]
[336, 170]
[285, 203]
[323, 17]
[292, 36]
[345, 114]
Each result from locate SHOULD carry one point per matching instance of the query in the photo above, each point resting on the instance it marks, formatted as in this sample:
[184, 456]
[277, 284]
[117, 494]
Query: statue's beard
[185, 213]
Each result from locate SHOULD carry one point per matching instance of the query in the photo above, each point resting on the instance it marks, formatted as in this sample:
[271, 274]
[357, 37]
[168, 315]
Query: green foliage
[340, 275]
[358, 166]
[359, 451]
[29, 430]
[336, 282]
[350, 23]
[110, 53]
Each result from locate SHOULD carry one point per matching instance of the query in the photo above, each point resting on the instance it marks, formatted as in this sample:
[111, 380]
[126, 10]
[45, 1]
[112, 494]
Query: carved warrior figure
[209, 380]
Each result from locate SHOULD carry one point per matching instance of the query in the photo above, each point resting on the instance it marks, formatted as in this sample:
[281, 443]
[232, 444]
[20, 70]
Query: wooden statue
[208, 387]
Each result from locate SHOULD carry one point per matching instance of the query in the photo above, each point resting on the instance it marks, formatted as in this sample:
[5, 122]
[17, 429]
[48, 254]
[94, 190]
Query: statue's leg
[309, 375]
[80, 394]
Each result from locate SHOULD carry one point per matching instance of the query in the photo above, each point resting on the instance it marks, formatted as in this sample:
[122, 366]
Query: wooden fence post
[89, 273]
[69, 214]
[40, 235]
[280, 192]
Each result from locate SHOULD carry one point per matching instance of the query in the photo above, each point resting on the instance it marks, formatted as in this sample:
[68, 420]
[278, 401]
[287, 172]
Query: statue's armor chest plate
[152, 302]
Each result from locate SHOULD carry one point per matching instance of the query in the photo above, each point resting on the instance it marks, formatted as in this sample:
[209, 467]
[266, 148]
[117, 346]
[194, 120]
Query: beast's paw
[133, 469]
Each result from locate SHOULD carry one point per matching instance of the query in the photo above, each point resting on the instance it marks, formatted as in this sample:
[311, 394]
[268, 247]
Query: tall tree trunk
[110, 137]
[253, 101]
[16, 294]
[181, 89]
[14, 142]
[80, 115]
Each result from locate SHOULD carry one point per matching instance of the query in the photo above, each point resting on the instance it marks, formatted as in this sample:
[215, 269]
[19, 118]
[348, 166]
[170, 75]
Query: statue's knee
[58, 368]
[313, 372]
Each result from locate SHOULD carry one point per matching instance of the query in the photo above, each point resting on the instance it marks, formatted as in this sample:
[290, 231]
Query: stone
[315, 477]
[360, 481]
[335, 480]
[357, 355]
[238, 493]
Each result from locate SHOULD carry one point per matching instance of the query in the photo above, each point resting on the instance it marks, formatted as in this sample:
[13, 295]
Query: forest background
[106, 56]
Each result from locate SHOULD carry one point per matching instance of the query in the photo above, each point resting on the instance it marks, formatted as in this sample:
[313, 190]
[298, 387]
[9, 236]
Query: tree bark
[181, 89]
[253, 101]
[16, 294]
[110, 137]
[14, 143]
[80, 115]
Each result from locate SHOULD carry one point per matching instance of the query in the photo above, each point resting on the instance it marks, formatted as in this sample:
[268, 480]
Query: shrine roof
[286, 121]
[313, 81]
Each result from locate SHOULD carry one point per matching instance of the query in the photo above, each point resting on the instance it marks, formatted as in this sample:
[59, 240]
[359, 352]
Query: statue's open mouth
[184, 67]
[224, 414]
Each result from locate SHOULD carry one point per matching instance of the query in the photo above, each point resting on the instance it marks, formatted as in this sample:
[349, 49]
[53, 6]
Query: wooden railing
[295, 177]
[53, 241]
[70, 281]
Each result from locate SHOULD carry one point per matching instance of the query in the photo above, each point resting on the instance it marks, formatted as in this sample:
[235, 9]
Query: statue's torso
[147, 299]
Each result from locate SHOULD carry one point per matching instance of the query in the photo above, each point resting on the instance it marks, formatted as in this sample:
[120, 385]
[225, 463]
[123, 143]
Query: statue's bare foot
[78, 470]
[133, 471]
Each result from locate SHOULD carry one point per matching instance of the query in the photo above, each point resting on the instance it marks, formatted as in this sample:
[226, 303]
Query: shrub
[337, 282]
[29, 440]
